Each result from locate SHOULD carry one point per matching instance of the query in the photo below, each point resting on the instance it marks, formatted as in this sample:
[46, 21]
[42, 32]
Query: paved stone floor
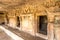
[22, 34]
[4, 36]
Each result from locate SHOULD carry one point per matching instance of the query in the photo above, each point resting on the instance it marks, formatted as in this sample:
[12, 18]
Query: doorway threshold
[42, 36]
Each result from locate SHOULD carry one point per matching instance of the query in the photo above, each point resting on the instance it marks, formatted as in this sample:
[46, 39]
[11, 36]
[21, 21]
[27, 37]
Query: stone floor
[4, 36]
[22, 34]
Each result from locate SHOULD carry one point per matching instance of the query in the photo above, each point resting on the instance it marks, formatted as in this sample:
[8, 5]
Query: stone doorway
[43, 24]
[18, 21]
[7, 19]
[2, 21]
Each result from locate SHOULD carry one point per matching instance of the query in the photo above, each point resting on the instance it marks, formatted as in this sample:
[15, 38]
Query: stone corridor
[30, 19]
[4, 36]
[24, 35]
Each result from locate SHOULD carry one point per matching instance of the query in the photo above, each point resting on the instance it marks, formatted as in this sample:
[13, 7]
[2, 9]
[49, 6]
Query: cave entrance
[18, 21]
[43, 24]
[2, 21]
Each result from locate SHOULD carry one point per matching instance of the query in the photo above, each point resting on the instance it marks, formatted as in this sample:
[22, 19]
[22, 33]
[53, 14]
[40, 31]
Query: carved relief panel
[57, 21]
[57, 27]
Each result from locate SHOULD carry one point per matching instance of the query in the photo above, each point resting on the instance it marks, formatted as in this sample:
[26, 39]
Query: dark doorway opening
[43, 24]
[18, 22]
[3, 23]
[2, 20]
[7, 19]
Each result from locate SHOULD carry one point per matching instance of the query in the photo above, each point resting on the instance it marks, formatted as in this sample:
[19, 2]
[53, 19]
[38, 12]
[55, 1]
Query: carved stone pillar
[12, 22]
[50, 27]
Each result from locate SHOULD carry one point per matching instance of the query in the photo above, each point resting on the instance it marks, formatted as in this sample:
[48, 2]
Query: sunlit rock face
[14, 3]
[18, 2]
[10, 2]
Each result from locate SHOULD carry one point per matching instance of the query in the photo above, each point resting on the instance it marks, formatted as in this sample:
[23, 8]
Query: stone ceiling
[6, 4]
[14, 3]
[22, 2]
[9, 2]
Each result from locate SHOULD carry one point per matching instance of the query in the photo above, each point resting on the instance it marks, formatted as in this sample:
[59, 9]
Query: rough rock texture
[28, 12]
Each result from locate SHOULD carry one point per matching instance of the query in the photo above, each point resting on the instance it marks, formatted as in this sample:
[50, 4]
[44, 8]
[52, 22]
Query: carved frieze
[52, 5]
[57, 21]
